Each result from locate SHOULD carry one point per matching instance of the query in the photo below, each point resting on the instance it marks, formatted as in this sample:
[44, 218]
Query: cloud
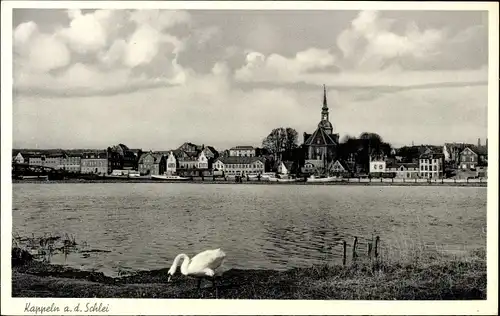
[371, 43]
[376, 52]
[276, 67]
[87, 32]
[39, 52]
[111, 50]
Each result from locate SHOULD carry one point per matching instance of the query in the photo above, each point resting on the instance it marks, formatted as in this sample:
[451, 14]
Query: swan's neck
[184, 265]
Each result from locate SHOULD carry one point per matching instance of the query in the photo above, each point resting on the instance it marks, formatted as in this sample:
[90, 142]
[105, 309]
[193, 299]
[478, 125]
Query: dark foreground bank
[434, 279]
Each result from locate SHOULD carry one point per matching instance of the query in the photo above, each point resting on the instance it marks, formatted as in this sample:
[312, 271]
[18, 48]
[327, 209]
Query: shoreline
[376, 182]
[434, 279]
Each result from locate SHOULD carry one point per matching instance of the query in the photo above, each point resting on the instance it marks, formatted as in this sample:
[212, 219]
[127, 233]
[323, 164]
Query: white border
[15, 306]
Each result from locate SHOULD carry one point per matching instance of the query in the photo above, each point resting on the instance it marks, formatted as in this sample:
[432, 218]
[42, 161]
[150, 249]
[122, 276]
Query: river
[145, 225]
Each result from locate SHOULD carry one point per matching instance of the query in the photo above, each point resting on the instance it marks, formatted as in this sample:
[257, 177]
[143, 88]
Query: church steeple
[325, 105]
[325, 120]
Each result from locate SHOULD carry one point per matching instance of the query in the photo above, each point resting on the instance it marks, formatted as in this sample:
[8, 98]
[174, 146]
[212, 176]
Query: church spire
[325, 106]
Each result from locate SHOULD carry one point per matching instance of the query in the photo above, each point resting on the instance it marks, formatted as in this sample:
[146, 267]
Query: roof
[407, 165]
[342, 163]
[481, 150]
[212, 149]
[243, 148]
[157, 157]
[431, 155]
[288, 164]
[322, 136]
[240, 160]
[94, 155]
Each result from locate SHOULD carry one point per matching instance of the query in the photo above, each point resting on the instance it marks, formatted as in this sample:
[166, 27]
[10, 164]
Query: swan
[206, 264]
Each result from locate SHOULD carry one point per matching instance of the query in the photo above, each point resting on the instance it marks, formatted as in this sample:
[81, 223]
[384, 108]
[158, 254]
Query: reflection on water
[145, 225]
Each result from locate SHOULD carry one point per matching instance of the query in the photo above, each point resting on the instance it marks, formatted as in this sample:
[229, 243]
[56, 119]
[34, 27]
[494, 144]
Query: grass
[437, 277]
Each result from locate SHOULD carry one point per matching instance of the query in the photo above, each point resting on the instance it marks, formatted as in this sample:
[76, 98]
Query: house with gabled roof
[339, 168]
[152, 164]
[287, 167]
[403, 170]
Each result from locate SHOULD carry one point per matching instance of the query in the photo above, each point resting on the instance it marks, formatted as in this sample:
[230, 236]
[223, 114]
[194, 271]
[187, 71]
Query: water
[145, 225]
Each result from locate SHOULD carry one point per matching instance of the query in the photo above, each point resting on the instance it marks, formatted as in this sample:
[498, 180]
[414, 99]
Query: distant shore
[430, 279]
[375, 182]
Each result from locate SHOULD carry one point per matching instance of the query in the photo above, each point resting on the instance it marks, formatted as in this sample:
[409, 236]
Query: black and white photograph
[203, 152]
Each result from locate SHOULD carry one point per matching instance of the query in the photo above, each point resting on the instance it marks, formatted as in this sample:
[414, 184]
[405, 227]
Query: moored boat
[286, 180]
[321, 179]
[168, 177]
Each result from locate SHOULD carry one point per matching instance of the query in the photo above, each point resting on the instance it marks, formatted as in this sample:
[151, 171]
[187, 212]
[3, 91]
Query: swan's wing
[211, 259]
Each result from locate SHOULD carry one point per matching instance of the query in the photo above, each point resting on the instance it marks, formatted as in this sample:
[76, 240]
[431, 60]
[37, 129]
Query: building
[36, 160]
[339, 168]
[403, 170]
[72, 162]
[242, 151]
[377, 166]
[95, 163]
[120, 157]
[431, 165]
[152, 164]
[240, 165]
[211, 153]
[202, 161]
[171, 164]
[187, 160]
[19, 158]
[287, 168]
[322, 145]
[468, 159]
[189, 147]
[472, 157]
[51, 160]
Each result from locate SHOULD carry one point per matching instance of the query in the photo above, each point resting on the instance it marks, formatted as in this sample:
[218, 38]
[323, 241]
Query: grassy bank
[435, 278]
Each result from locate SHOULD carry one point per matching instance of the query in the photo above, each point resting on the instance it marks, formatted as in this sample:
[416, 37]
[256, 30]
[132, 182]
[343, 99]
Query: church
[321, 146]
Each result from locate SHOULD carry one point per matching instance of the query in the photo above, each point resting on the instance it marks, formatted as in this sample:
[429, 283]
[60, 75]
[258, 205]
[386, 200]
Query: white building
[242, 151]
[202, 161]
[377, 165]
[431, 165]
[95, 162]
[72, 162]
[285, 167]
[19, 158]
[171, 163]
[241, 165]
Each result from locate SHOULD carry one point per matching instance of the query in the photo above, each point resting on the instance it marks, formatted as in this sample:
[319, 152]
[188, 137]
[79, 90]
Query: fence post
[345, 252]
[354, 245]
[377, 239]
[370, 249]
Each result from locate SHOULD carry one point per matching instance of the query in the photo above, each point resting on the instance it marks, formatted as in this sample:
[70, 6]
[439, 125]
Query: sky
[154, 79]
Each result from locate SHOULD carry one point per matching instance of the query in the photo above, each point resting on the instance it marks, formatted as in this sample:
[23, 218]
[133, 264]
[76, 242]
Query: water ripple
[260, 227]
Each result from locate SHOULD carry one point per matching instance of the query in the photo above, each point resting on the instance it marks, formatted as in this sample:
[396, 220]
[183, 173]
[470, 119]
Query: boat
[168, 177]
[321, 179]
[286, 180]
[34, 177]
[270, 176]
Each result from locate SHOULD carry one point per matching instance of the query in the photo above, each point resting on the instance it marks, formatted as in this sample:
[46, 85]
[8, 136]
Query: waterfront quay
[346, 181]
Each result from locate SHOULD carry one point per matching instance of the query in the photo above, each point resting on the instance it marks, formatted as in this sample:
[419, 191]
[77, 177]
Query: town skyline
[416, 77]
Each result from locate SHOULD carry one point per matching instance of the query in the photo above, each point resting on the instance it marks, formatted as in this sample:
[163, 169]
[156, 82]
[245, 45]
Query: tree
[360, 149]
[280, 140]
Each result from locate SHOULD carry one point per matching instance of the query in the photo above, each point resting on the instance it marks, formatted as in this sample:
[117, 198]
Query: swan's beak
[169, 278]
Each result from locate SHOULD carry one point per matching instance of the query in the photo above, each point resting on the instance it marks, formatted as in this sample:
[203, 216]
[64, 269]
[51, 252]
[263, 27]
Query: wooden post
[377, 239]
[354, 245]
[345, 252]
[370, 250]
